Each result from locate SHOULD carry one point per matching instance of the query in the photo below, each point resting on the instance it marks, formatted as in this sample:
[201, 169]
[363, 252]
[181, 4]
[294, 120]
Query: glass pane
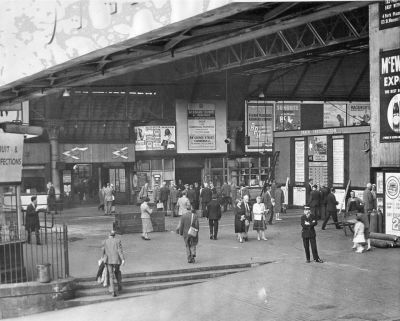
[156, 164]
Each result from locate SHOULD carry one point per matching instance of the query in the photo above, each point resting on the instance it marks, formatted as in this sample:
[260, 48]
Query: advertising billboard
[11, 151]
[155, 138]
[392, 203]
[259, 116]
[389, 96]
[201, 126]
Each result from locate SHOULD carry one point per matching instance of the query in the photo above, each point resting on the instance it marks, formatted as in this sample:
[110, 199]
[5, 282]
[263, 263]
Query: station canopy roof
[244, 38]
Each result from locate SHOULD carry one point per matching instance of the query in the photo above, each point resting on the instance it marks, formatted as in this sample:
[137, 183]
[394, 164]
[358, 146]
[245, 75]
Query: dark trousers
[165, 206]
[226, 200]
[322, 211]
[306, 243]
[204, 208]
[190, 249]
[271, 215]
[36, 234]
[213, 228]
[315, 212]
[334, 217]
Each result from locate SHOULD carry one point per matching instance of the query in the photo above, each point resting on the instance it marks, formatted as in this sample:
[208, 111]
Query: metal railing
[19, 259]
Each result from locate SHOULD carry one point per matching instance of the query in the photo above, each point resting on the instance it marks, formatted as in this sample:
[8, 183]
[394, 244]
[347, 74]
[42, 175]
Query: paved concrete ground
[347, 286]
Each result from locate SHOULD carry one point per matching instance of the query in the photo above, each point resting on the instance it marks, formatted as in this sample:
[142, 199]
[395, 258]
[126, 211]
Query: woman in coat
[146, 211]
[240, 217]
[279, 200]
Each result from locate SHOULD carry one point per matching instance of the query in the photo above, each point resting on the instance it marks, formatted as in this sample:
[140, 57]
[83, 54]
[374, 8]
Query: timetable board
[318, 171]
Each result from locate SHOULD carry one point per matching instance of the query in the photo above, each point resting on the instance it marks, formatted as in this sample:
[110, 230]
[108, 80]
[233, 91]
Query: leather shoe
[308, 261]
[323, 228]
[319, 261]
[211, 237]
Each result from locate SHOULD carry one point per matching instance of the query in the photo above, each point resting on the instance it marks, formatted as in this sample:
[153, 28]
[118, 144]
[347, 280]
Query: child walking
[359, 237]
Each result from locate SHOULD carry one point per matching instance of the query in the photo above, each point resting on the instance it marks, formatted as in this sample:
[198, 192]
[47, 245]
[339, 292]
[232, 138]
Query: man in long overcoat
[32, 223]
[214, 215]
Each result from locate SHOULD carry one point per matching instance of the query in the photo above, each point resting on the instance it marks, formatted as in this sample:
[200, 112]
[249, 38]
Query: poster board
[389, 14]
[299, 162]
[392, 203]
[389, 100]
[338, 160]
[155, 138]
[299, 196]
[287, 116]
[11, 153]
[201, 126]
[259, 126]
[334, 114]
[358, 114]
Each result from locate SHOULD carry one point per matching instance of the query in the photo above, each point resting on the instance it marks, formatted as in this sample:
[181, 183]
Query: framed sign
[334, 115]
[259, 115]
[299, 161]
[389, 14]
[389, 96]
[155, 138]
[358, 114]
[201, 126]
[11, 152]
[392, 203]
[287, 116]
[317, 149]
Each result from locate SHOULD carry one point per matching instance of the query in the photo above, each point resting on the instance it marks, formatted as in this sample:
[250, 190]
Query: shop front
[86, 168]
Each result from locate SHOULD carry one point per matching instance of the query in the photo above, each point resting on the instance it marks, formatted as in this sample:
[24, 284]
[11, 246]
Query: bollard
[43, 273]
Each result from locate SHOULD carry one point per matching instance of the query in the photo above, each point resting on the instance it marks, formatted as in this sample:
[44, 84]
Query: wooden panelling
[282, 168]
[382, 154]
[359, 160]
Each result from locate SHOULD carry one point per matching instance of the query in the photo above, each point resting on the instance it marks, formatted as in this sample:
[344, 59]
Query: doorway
[188, 175]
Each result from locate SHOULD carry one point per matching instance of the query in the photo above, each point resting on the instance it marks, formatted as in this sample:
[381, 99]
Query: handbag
[160, 205]
[246, 222]
[192, 231]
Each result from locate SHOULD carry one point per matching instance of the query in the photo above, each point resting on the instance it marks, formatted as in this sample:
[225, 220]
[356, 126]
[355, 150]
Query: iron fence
[21, 260]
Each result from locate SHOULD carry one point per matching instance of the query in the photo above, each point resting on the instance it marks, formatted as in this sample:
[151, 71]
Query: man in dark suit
[324, 192]
[331, 209]
[32, 223]
[315, 202]
[269, 203]
[214, 215]
[113, 257]
[308, 187]
[308, 234]
[206, 196]
[164, 194]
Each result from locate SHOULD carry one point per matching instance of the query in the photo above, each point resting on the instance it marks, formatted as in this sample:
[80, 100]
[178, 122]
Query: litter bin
[43, 273]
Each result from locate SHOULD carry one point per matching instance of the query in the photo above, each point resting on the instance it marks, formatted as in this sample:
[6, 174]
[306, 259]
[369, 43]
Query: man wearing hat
[308, 234]
[214, 215]
[113, 257]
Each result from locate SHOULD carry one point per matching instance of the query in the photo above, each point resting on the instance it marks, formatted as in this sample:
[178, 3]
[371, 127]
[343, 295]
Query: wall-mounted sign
[259, 115]
[379, 182]
[392, 203]
[287, 116]
[155, 138]
[334, 114]
[358, 114]
[389, 14]
[11, 151]
[338, 160]
[299, 161]
[96, 153]
[317, 149]
[390, 96]
[299, 196]
[201, 126]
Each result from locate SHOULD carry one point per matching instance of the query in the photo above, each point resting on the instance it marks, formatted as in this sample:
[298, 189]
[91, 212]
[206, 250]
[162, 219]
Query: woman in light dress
[146, 211]
[259, 219]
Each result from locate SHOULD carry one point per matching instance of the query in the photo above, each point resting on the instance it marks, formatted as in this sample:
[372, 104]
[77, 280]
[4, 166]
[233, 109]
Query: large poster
[317, 149]
[259, 125]
[392, 203]
[299, 161]
[11, 151]
[201, 126]
[390, 96]
[287, 116]
[334, 115]
[338, 160]
[389, 14]
[358, 114]
[155, 138]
